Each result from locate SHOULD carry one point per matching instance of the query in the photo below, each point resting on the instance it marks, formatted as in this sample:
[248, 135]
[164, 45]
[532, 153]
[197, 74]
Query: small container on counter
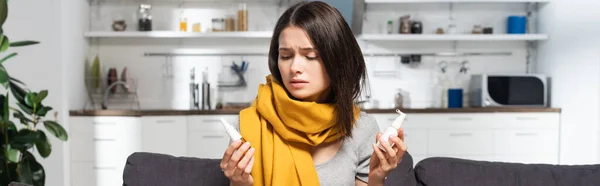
[242, 17]
[196, 27]
[144, 16]
[217, 24]
[229, 24]
[183, 24]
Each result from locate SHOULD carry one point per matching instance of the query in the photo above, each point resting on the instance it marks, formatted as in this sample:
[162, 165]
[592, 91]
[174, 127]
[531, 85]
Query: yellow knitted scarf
[282, 131]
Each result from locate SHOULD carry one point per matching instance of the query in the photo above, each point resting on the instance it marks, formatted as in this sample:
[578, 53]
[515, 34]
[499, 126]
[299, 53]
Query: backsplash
[164, 86]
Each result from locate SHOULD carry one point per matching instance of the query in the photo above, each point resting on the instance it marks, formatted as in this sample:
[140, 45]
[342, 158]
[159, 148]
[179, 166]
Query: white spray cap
[233, 134]
[399, 120]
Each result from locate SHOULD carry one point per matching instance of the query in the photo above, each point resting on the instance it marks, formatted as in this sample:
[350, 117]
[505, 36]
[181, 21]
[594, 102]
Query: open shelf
[453, 37]
[175, 34]
[457, 1]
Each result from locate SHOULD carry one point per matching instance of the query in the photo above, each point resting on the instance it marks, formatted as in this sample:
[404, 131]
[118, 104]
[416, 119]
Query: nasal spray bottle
[392, 130]
[233, 134]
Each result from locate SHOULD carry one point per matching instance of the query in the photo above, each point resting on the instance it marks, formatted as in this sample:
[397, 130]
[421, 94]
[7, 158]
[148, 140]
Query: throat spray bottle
[392, 130]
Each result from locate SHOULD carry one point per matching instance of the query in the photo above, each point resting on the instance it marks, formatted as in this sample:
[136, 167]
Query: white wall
[572, 58]
[159, 92]
[40, 20]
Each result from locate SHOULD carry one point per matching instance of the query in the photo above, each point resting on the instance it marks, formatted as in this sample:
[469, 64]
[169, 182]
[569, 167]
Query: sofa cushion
[148, 169]
[453, 171]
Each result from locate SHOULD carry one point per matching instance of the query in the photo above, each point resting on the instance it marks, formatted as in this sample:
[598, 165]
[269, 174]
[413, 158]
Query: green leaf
[3, 11]
[25, 173]
[43, 145]
[7, 57]
[42, 111]
[13, 155]
[5, 108]
[5, 44]
[22, 118]
[11, 126]
[16, 80]
[41, 96]
[26, 109]
[4, 76]
[24, 139]
[38, 175]
[23, 43]
[56, 130]
[18, 92]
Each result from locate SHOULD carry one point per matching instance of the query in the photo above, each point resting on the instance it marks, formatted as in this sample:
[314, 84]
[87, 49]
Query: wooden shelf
[175, 34]
[457, 1]
[453, 37]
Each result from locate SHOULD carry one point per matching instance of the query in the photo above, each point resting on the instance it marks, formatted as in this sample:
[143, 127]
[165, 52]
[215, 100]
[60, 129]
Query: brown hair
[337, 47]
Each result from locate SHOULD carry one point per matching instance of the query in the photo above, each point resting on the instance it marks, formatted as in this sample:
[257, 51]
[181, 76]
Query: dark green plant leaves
[30, 171]
[24, 139]
[30, 98]
[7, 57]
[41, 96]
[3, 11]
[22, 118]
[4, 76]
[23, 43]
[25, 108]
[5, 44]
[5, 108]
[56, 130]
[42, 111]
[16, 80]
[43, 145]
[13, 155]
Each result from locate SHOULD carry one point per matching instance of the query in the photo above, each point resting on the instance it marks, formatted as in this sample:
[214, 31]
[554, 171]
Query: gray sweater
[352, 159]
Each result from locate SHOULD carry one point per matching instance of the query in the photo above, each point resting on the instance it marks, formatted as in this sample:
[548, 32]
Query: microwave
[508, 90]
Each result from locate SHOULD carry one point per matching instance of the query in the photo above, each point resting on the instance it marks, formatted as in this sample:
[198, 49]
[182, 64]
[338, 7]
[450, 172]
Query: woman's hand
[382, 163]
[237, 163]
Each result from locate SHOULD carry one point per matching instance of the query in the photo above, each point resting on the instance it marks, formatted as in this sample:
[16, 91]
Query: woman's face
[301, 68]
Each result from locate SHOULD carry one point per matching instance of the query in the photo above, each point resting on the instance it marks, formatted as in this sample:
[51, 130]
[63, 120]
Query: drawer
[461, 142]
[416, 141]
[83, 174]
[528, 120]
[207, 144]
[108, 176]
[210, 123]
[105, 130]
[460, 121]
[82, 147]
[106, 152]
[526, 141]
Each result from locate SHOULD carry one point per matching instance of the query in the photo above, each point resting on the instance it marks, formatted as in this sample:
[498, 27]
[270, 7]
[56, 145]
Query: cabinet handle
[165, 121]
[215, 136]
[103, 139]
[103, 123]
[527, 118]
[461, 134]
[460, 119]
[526, 134]
[104, 168]
[211, 121]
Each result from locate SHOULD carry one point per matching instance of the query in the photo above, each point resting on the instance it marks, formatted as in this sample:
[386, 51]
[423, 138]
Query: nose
[297, 66]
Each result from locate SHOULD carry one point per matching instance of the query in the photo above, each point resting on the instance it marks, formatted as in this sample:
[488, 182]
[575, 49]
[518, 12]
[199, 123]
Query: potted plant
[17, 162]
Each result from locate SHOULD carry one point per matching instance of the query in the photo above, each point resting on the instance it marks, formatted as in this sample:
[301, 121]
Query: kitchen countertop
[137, 113]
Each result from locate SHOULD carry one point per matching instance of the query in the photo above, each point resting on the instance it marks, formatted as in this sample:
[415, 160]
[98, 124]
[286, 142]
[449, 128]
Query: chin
[300, 94]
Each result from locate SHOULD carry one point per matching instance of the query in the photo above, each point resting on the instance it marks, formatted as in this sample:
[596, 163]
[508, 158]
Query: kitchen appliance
[509, 90]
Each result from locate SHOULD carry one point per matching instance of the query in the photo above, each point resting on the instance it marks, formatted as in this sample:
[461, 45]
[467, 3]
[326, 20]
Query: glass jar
[144, 16]
[399, 99]
[242, 17]
[217, 24]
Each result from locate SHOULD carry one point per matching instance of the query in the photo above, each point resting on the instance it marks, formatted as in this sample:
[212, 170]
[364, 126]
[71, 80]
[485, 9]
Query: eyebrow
[304, 49]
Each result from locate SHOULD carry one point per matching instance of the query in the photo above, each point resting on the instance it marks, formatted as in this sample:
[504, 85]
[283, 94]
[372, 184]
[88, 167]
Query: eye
[284, 57]
[312, 57]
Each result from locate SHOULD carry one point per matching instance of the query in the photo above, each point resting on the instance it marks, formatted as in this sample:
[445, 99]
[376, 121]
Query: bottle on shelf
[183, 23]
[144, 17]
[242, 17]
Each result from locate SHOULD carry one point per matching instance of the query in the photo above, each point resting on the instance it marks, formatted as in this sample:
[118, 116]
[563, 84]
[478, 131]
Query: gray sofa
[148, 169]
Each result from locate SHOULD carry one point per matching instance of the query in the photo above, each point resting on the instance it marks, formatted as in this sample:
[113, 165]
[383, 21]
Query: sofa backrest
[453, 171]
[150, 169]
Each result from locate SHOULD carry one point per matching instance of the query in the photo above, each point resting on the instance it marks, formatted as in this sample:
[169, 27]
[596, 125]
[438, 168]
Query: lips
[298, 83]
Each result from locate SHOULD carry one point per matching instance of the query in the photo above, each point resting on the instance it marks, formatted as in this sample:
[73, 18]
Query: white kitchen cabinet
[100, 147]
[165, 135]
[506, 137]
[207, 137]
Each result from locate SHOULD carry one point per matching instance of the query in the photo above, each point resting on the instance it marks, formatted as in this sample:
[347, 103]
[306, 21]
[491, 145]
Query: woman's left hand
[382, 163]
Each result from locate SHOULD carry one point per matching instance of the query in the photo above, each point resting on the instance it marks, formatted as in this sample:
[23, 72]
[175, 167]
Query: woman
[304, 128]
